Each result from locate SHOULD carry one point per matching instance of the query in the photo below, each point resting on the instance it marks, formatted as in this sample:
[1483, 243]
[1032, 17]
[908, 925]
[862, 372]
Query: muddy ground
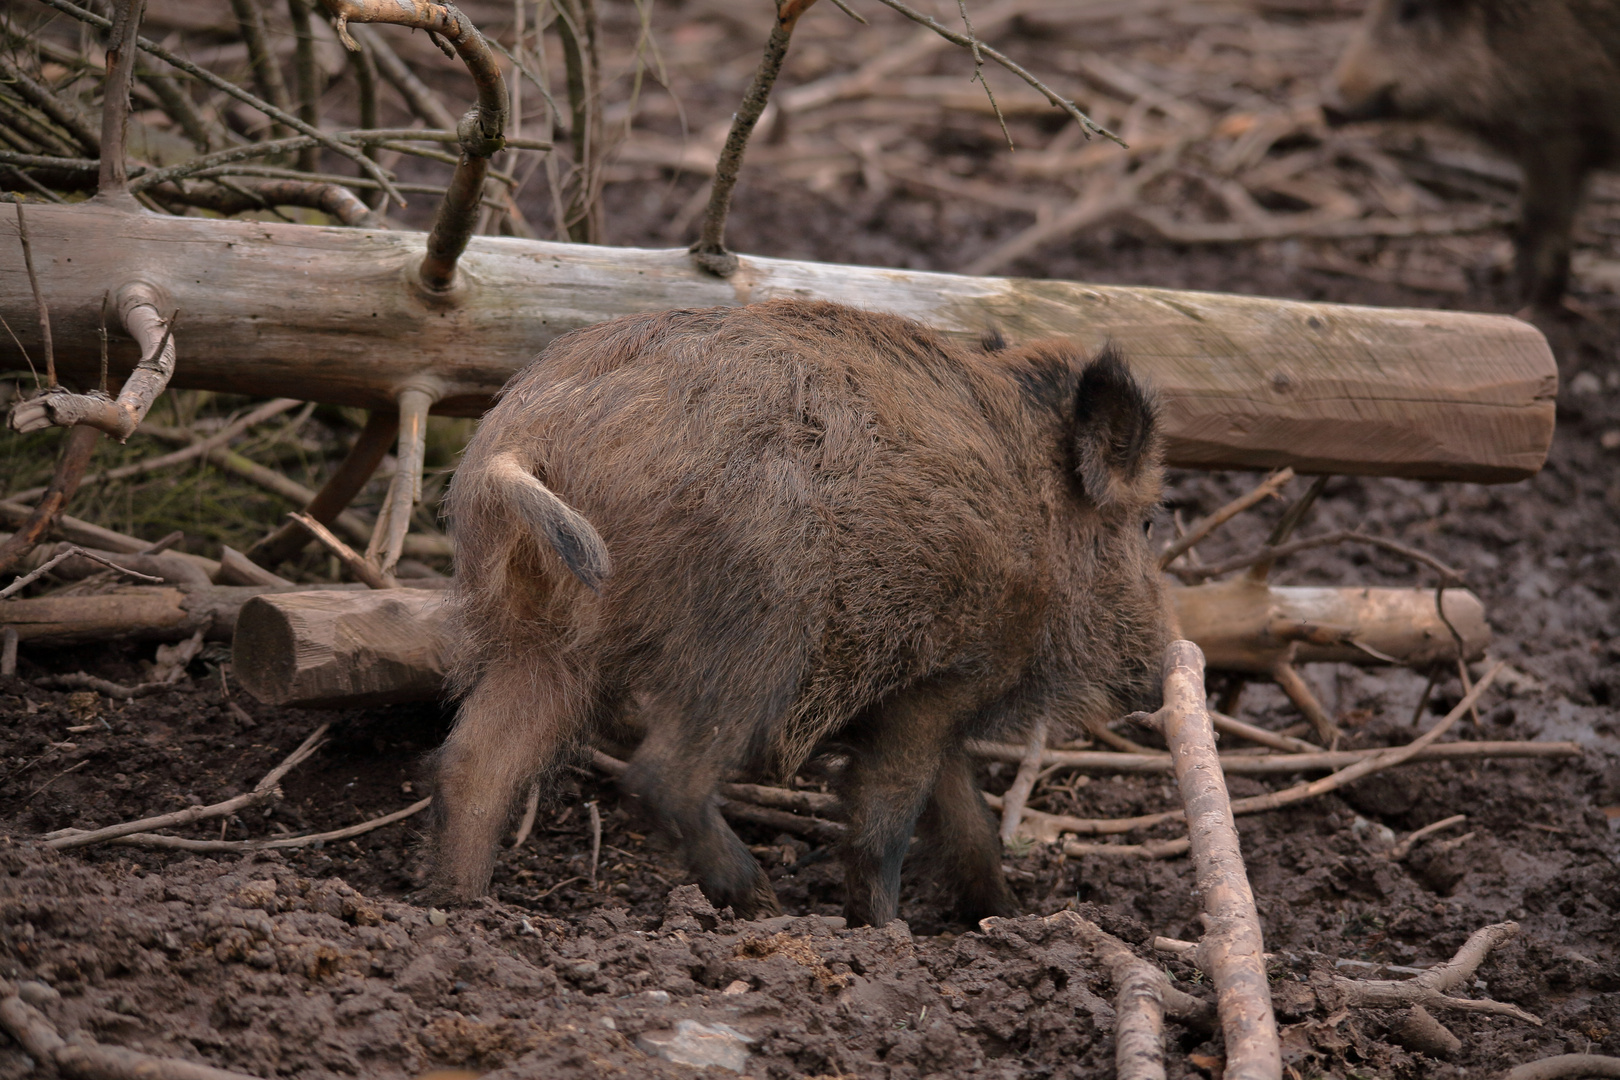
[316, 962]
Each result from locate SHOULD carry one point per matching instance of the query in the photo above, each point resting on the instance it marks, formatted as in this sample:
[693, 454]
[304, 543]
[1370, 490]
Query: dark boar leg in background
[959, 836]
[897, 754]
[675, 778]
[510, 727]
[1552, 192]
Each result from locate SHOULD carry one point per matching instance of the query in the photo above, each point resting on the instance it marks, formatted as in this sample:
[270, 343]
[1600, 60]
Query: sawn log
[342, 649]
[333, 315]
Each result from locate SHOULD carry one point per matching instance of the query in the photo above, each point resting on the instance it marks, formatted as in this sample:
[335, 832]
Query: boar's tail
[575, 539]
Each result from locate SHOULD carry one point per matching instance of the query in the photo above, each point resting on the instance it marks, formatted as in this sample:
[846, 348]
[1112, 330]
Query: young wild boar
[1538, 80]
[791, 528]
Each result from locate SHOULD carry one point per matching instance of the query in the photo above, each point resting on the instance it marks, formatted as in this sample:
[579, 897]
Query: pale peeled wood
[1242, 625]
[331, 314]
[348, 648]
[342, 649]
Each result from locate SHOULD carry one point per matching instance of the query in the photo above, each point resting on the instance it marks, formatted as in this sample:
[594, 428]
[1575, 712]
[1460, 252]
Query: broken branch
[1430, 988]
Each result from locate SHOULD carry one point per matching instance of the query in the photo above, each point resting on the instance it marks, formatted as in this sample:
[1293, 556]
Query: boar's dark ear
[1116, 443]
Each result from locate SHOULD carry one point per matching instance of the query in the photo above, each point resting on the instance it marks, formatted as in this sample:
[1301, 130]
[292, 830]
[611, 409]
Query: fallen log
[332, 314]
[1246, 625]
[139, 613]
[326, 649]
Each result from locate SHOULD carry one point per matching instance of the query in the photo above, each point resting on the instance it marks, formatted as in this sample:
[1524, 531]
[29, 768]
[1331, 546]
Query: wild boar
[1537, 80]
[786, 529]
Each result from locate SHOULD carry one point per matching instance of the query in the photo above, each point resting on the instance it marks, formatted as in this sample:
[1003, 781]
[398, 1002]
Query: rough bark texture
[328, 314]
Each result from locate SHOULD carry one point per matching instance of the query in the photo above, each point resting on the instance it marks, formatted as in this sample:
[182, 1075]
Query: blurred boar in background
[1537, 80]
[786, 529]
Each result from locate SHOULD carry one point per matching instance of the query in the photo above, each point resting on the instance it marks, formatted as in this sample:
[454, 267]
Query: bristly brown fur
[1538, 80]
[826, 526]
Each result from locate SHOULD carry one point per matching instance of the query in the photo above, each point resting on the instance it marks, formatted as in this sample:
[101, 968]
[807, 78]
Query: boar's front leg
[510, 727]
[899, 754]
[959, 837]
[674, 775]
[1553, 180]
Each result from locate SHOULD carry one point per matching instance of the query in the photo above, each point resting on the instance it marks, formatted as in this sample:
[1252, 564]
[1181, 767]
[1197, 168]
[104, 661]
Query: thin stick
[225, 86]
[1012, 808]
[80, 445]
[1404, 848]
[63, 556]
[596, 838]
[1566, 1067]
[266, 68]
[1281, 551]
[710, 251]
[740, 803]
[1229, 725]
[358, 564]
[181, 843]
[86, 1059]
[113, 179]
[1089, 126]
[530, 808]
[40, 307]
[382, 426]
[1430, 988]
[306, 75]
[1204, 526]
[394, 520]
[264, 791]
[1150, 849]
[1286, 525]
[1294, 685]
[117, 691]
[1231, 950]
[978, 71]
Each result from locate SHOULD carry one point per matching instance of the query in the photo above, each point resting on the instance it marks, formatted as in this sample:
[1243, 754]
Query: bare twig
[40, 307]
[1229, 725]
[741, 803]
[358, 564]
[382, 425]
[1281, 551]
[1204, 526]
[62, 556]
[596, 838]
[1294, 685]
[1231, 950]
[282, 843]
[306, 75]
[229, 88]
[1404, 848]
[481, 131]
[77, 449]
[86, 1059]
[531, 807]
[1285, 527]
[1013, 801]
[113, 181]
[394, 519]
[1566, 1067]
[266, 69]
[1087, 125]
[264, 791]
[710, 251]
[1431, 988]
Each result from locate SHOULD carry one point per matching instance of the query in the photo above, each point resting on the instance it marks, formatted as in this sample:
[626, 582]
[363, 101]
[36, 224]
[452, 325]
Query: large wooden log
[331, 314]
[389, 645]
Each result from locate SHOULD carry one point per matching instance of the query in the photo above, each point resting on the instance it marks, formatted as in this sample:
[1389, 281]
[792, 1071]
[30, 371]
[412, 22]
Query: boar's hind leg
[674, 780]
[509, 728]
[1552, 191]
[898, 754]
[959, 837]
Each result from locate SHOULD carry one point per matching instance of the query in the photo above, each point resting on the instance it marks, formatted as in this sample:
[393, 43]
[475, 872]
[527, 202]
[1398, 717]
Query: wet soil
[317, 962]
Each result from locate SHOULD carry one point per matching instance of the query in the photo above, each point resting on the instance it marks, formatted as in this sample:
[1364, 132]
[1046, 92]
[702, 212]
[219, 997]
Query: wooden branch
[394, 520]
[113, 182]
[1202, 528]
[34, 524]
[1293, 685]
[279, 843]
[138, 305]
[94, 536]
[328, 649]
[710, 251]
[1231, 950]
[1245, 625]
[139, 613]
[1564, 1066]
[1251, 764]
[86, 1059]
[339, 490]
[69, 551]
[1246, 383]
[1017, 795]
[264, 791]
[357, 564]
[1243, 639]
[738, 803]
[1431, 989]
